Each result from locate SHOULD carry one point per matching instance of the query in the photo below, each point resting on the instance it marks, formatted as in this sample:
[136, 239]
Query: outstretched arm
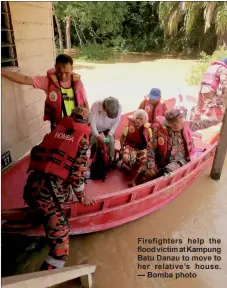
[17, 77]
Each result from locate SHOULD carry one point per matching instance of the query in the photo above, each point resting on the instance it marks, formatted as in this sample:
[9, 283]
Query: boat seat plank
[44, 279]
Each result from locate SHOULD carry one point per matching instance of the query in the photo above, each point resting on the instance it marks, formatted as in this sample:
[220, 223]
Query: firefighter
[212, 90]
[64, 89]
[171, 145]
[58, 161]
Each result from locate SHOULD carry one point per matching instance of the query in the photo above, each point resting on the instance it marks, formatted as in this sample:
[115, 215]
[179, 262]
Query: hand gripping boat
[116, 203]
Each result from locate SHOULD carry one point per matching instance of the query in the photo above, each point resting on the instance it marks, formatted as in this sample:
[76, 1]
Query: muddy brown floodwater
[132, 77]
[199, 212]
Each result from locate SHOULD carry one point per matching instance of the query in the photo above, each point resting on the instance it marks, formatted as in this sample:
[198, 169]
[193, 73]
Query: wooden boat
[116, 203]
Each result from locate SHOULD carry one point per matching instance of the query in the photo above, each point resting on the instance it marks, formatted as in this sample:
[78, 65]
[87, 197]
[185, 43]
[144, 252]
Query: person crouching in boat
[104, 118]
[153, 105]
[58, 161]
[135, 139]
[171, 145]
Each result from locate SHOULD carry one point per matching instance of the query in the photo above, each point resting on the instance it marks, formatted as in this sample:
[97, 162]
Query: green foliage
[59, 51]
[143, 26]
[95, 52]
[208, 19]
[142, 31]
[204, 62]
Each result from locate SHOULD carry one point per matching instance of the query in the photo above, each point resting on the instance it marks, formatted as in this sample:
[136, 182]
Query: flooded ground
[199, 212]
[133, 76]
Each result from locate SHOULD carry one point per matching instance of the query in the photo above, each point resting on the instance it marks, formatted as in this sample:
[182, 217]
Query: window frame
[10, 44]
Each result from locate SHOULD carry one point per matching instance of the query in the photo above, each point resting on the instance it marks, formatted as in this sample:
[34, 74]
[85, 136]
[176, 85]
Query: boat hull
[120, 207]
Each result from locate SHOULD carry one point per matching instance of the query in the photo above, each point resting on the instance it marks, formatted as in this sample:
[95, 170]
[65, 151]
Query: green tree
[91, 20]
[214, 15]
[142, 30]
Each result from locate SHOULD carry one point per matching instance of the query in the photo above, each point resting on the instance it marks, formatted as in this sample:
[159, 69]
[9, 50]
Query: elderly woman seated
[134, 140]
[171, 145]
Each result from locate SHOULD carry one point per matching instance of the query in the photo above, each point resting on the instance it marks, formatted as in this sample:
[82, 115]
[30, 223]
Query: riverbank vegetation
[100, 30]
[203, 63]
[168, 27]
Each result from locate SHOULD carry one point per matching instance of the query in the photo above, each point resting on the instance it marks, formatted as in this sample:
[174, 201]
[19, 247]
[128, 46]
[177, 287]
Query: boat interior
[14, 178]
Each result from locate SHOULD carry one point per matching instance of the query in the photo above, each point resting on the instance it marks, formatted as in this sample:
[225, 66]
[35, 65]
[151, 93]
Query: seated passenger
[104, 118]
[153, 105]
[171, 145]
[134, 140]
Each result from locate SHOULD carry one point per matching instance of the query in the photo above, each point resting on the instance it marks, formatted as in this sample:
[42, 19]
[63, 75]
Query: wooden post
[86, 281]
[219, 157]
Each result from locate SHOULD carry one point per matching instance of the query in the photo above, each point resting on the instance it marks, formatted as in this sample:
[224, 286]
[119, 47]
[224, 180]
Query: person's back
[60, 160]
[56, 153]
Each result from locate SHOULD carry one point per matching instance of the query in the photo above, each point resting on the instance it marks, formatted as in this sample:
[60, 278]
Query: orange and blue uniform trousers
[45, 193]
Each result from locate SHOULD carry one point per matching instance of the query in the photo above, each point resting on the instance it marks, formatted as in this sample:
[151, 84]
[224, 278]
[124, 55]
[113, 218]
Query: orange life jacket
[54, 101]
[211, 76]
[162, 144]
[137, 138]
[56, 153]
[153, 110]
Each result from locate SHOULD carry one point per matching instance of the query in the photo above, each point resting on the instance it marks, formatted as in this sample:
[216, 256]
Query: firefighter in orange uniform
[171, 145]
[58, 161]
[212, 91]
[63, 88]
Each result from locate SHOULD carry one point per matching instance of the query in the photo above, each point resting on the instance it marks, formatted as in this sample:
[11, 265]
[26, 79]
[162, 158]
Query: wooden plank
[23, 31]
[49, 278]
[219, 157]
[22, 12]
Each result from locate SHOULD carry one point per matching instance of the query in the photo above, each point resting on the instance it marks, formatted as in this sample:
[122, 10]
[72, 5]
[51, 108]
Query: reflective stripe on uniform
[68, 99]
